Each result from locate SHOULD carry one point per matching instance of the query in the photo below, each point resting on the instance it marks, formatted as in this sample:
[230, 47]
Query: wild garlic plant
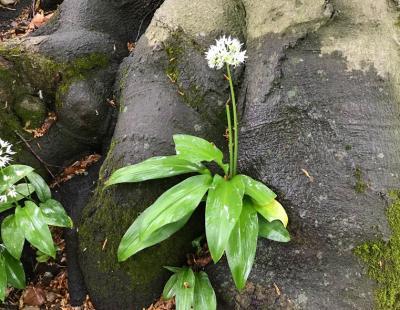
[238, 208]
[26, 211]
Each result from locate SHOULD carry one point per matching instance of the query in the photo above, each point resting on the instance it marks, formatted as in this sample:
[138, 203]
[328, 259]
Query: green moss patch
[383, 260]
[360, 185]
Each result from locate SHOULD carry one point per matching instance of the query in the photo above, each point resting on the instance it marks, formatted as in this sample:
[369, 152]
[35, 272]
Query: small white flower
[4, 160]
[3, 198]
[12, 192]
[227, 50]
[5, 153]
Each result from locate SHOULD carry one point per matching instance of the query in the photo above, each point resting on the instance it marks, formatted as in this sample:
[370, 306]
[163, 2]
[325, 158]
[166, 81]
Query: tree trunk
[320, 125]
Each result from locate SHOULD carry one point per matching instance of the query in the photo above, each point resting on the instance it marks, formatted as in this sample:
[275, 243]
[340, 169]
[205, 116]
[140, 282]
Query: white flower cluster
[5, 157]
[5, 153]
[227, 50]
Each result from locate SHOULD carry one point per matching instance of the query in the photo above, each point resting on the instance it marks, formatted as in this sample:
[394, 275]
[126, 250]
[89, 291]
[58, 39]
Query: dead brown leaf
[40, 132]
[39, 19]
[34, 296]
[77, 168]
[130, 46]
[163, 304]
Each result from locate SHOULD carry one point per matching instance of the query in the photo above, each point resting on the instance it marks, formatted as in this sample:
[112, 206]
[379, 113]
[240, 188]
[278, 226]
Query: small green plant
[192, 290]
[238, 208]
[24, 219]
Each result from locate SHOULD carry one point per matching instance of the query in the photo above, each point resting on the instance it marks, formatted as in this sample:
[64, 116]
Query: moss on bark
[28, 73]
[383, 260]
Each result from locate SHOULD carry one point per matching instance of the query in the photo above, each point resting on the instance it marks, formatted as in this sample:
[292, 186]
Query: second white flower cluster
[5, 153]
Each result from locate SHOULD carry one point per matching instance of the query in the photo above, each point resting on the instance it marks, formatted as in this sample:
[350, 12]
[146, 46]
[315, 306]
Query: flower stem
[230, 138]
[235, 124]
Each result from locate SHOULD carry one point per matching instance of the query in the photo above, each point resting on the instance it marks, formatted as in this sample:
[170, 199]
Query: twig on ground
[46, 166]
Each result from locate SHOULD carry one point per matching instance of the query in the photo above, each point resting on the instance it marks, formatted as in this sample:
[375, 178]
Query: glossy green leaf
[15, 271]
[12, 174]
[5, 207]
[169, 288]
[173, 269]
[23, 191]
[54, 214]
[242, 245]
[131, 243]
[154, 168]
[196, 150]
[176, 203]
[273, 230]
[258, 191]
[273, 211]
[224, 205]
[3, 278]
[42, 189]
[13, 236]
[204, 295]
[184, 289]
[36, 231]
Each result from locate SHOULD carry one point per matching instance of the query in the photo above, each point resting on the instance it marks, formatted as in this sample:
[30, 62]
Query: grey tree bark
[319, 124]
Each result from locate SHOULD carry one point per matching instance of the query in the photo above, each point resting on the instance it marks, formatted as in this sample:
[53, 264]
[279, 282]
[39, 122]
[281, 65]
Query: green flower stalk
[227, 51]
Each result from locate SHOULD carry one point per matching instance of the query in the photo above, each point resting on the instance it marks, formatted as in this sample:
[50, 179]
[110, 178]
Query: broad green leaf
[204, 295]
[169, 288]
[42, 189]
[184, 289]
[3, 278]
[36, 231]
[54, 214]
[196, 150]
[224, 205]
[13, 236]
[259, 192]
[273, 211]
[176, 203]
[154, 168]
[12, 174]
[242, 245]
[273, 230]
[23, 191]
[131, 243]
[173, 269]
[15, 271]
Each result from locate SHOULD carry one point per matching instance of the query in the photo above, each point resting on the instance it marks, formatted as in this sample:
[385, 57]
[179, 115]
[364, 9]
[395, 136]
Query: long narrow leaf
[224, 205]
[12, 174]
[204, 295]
[258, 191]
[14, 270]
[273, 230]
[169, 288]
[13, 236]
[184, 289]
[177, 202]
[36, 231]
[131, 243]
[273, 211]
[42, 189]
[242, 245]
[3, 277]
[196, 150]
[154, 168]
